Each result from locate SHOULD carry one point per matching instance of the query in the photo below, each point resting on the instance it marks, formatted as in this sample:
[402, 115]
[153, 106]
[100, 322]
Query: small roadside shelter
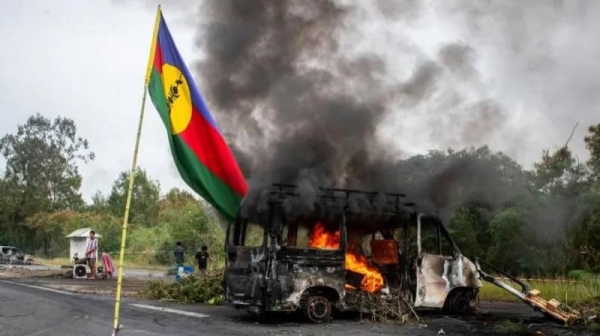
[77, 241]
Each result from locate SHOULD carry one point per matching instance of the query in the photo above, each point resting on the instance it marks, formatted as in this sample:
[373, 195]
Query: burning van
[340, 243]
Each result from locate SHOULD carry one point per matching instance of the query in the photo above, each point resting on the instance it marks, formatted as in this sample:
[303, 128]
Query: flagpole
[116, 326]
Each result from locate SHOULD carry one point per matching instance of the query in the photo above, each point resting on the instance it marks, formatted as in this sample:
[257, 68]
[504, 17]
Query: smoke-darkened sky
[321, 85]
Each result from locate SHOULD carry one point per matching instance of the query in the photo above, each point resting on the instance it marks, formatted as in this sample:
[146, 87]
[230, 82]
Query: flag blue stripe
[171, 56]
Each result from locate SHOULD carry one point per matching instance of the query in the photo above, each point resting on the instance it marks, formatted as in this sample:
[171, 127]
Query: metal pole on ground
[116, 326]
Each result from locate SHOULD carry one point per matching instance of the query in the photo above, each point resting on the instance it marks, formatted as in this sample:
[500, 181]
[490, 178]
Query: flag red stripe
[158, 58]
[212, 150]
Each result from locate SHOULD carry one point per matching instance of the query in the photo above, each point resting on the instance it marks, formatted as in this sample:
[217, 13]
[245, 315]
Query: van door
[433, 267]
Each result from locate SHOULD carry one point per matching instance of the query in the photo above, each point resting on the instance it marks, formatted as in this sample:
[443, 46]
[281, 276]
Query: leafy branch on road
[204, 288]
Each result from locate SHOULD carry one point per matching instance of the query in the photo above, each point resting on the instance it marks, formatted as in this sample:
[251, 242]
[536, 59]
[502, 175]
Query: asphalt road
[28, 310]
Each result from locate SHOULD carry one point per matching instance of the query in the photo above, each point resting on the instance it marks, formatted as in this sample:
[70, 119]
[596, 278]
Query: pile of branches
[382, 307]
[206, 288]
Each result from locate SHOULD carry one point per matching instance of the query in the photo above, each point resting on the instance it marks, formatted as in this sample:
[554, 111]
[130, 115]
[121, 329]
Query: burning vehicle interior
[342, 243]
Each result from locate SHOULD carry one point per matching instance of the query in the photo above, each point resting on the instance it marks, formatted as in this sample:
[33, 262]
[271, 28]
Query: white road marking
[169, 310]
[41, 332]
[39, 287]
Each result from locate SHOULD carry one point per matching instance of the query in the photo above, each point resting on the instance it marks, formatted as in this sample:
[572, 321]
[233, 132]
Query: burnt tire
[317, 309]
[460, 302]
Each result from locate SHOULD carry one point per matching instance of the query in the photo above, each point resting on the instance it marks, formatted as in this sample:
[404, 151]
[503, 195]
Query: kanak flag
[201, 154]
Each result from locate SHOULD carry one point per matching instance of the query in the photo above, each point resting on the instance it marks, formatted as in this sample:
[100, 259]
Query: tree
[469, 230]
[41, 172]
[99, 202]
[177, 197]
[592, 143]
[54, 226]
[41, 165]
[144, 200]
[560, 173]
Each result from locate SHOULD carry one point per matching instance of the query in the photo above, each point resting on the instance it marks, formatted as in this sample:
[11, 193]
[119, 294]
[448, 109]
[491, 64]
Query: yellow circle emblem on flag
[179, 100]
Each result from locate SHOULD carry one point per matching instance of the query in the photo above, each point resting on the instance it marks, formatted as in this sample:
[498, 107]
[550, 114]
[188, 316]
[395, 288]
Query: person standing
[179, 254]
[91, 253]
[202, 257]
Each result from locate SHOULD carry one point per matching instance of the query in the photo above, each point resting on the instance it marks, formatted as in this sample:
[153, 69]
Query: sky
[533, 65]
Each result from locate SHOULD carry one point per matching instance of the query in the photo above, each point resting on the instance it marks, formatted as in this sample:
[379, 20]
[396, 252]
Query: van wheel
[259, 313]
[317, 309]
[459, 302]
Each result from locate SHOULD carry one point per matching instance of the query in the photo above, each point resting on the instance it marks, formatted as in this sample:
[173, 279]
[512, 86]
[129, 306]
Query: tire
[80, 271]
[317, 309]
[261, 315]
[459, 302]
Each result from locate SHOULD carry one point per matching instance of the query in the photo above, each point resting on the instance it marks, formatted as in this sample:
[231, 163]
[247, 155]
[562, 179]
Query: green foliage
[468, 228]
[55, 226]
[581, 275]
[542, 221]
[207, 289]
[568, 291]
[41, 171]
[144, 199]
[41, 175]
[512, 328]
[507, 239]
[592, 143]
[585, 234]
[181, 219]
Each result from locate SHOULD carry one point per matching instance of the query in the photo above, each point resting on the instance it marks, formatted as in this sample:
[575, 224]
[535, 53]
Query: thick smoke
[303, 96]
[282, 103]
[299, 107]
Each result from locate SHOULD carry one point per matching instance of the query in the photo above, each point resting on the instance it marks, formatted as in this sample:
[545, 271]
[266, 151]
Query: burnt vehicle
[344, 242]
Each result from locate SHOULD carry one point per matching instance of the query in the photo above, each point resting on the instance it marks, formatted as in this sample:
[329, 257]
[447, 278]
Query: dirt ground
[58, 279]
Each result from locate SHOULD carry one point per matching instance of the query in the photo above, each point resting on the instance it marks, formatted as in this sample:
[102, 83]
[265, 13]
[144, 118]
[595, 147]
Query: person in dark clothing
[202, 257]
[179, 254]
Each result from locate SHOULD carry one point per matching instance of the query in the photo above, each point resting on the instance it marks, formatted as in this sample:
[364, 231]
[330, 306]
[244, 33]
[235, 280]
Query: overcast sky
[86, 60]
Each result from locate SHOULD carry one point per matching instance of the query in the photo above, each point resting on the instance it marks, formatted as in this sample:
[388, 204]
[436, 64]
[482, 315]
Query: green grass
[563, 290]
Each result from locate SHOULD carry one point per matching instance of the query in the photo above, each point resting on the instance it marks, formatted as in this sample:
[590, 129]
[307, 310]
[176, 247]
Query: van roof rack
[283, 190]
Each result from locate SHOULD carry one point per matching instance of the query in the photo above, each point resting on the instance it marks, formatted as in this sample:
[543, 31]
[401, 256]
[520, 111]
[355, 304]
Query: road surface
[30, 310]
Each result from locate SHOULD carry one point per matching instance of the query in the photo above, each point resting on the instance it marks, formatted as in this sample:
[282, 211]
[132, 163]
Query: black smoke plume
[297, 107]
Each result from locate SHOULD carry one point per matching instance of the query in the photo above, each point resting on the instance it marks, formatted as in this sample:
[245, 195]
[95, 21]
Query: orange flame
[323, 239]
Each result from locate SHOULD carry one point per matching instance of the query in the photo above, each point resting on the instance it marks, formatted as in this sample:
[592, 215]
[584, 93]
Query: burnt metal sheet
[438, 275]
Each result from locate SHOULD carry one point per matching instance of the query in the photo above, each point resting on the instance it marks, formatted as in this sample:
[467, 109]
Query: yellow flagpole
[116, 326]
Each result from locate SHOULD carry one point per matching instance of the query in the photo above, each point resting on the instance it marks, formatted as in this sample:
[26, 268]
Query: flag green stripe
[193, 172]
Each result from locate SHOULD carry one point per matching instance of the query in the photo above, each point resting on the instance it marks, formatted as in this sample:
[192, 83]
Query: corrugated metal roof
[82, 233]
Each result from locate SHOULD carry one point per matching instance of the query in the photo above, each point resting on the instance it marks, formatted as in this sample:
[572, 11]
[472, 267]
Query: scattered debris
[381, 308]
[511, 328]
[206, 288]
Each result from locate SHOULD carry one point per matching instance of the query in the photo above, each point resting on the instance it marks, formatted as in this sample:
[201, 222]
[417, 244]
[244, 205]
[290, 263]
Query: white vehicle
[12, 255]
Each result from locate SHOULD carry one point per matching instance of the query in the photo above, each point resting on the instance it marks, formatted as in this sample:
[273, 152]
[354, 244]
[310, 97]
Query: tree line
[41, 202]
[539, 221]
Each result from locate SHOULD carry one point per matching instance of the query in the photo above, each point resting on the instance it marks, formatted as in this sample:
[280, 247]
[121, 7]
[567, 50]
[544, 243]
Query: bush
[582, 275]
[207, 288]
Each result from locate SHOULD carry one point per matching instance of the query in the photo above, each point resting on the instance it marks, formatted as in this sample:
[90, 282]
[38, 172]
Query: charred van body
[341, 242]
